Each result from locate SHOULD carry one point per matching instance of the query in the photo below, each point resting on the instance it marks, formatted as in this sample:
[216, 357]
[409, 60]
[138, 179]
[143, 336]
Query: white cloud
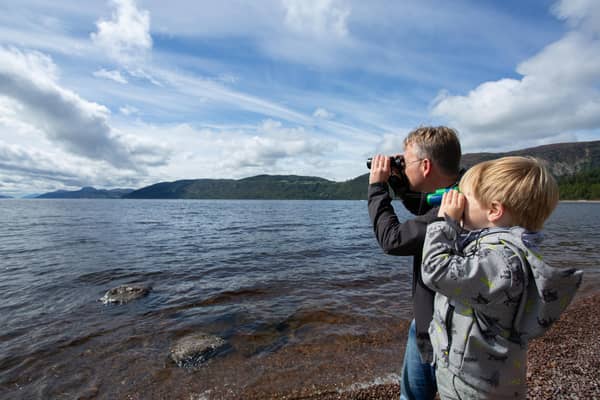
[269, 147]
[559, 90]
[391, 143]
[311, 32]
[323, 113]
[318, 18]
[30, 79]
[112, 75]
[27, 163]
[36, 170]
[584, 14]
[126, 37]
[31, 163]
[273, 143]
[128, 110]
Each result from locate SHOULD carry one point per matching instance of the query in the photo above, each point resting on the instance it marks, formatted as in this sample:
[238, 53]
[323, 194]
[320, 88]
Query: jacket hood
[548, 290]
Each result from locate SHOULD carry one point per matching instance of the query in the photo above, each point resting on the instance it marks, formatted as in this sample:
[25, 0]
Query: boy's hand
[453, 204]
[380, 169]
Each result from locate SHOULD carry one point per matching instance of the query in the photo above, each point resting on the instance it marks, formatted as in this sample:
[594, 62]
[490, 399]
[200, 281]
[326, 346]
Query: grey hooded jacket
[494, 294]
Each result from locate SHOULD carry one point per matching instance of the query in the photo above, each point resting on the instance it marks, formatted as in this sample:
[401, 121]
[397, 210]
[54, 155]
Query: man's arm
[394, 237]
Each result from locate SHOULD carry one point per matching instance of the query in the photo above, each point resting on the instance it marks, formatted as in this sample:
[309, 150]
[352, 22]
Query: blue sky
[125, 93]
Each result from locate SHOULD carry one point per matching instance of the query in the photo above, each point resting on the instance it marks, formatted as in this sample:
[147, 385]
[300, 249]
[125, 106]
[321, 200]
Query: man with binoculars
[431, 161]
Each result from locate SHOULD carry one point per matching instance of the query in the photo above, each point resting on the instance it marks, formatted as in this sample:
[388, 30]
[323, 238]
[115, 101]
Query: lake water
[300, 291]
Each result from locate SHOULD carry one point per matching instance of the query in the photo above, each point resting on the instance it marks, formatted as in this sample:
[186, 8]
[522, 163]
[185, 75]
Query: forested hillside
[575, 165]
[584, 185]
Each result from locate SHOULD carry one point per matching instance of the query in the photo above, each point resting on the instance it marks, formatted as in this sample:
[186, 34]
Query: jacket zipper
[448, 322]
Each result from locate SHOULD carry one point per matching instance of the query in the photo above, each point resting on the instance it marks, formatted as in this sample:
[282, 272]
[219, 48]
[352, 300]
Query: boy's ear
[496, 211]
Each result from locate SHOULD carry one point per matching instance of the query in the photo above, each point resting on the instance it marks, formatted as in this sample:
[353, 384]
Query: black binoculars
[395, 162]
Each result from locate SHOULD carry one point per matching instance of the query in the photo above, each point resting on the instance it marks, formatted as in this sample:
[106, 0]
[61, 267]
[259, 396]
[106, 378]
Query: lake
[300, 290]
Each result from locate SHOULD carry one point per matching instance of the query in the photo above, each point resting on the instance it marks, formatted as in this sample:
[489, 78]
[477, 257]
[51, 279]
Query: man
[431, 161]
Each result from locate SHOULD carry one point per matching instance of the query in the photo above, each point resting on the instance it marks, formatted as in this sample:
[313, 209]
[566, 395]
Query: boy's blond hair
[523, 185]
[438, 143]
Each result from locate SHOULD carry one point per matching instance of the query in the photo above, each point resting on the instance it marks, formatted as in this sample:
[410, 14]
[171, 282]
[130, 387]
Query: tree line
[584, 185]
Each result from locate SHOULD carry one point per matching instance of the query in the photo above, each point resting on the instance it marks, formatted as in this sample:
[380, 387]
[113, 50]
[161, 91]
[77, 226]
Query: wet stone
[195, 349]
[124, 294]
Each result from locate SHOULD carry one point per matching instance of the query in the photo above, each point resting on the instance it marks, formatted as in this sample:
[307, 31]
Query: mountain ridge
[86, 192]
[565, 161]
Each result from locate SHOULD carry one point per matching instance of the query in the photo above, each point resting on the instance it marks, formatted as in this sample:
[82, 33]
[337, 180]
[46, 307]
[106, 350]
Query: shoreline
[220, 199]
[579, 201]
[562, 364]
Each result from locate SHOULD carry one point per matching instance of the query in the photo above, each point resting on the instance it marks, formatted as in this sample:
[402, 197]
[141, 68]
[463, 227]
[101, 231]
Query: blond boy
[493, 291]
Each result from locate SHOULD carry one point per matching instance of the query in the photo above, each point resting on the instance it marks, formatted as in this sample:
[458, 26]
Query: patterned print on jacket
[493, 294]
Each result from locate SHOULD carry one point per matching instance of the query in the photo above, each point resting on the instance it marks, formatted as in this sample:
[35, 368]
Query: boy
[493, 291]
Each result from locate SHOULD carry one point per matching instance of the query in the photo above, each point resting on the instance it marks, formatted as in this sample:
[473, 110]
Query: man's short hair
[523, 185]
[439, 144]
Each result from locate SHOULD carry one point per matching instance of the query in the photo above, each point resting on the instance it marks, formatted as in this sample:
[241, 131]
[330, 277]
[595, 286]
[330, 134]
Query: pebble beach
[563, 364]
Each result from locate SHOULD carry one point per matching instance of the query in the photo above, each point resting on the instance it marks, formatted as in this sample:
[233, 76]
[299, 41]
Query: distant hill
[576, 166]
[257, 187]
[563, 158]
[5, 197]
[86, 193]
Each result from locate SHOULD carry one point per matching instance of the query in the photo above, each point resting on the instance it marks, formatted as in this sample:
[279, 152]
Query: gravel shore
[563, 364]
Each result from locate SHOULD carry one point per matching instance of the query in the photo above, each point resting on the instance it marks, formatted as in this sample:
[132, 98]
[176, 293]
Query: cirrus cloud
[112, 75]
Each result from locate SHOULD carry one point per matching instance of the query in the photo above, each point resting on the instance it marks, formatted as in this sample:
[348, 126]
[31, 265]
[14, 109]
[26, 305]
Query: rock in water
[195, 349]
[124, 294]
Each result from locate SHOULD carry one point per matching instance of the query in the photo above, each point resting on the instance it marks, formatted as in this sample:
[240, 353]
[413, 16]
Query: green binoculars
[435, 198]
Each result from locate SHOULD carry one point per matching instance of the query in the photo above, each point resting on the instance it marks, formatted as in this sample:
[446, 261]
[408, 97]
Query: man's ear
[426, 166]
[496, 211]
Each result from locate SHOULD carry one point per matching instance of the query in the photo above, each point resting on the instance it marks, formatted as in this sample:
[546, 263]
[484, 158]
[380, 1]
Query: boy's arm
[474, 279]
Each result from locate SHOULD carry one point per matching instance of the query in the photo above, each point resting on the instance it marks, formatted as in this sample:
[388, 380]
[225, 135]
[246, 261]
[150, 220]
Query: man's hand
[453, 204]
[380, 169]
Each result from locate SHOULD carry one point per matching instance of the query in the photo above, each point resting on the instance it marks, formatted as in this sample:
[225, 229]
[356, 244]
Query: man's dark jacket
[404, 239]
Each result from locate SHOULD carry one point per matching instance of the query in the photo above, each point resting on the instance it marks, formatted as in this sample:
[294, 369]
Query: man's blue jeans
[418, 379]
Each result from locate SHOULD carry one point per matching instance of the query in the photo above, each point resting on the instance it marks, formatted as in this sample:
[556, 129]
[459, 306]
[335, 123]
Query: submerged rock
[124, 294]
[195, 349]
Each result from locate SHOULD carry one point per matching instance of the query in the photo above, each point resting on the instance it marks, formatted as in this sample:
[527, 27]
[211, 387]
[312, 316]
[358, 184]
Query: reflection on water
[299, 289]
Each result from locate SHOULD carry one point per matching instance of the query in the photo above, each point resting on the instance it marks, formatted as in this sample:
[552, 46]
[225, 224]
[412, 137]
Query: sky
[126, 93]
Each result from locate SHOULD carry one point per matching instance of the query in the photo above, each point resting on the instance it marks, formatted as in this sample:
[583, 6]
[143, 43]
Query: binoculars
[395, 162]
[435, 198]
